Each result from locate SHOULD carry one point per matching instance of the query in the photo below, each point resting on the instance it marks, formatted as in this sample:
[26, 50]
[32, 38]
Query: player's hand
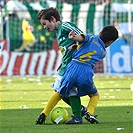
[73, 47]
[71, 34]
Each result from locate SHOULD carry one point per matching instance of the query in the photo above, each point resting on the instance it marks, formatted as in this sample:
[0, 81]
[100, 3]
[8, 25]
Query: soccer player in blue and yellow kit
[77, 80]
[50, 19]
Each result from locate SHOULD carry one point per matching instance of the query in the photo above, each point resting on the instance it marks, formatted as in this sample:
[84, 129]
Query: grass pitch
[23, 98]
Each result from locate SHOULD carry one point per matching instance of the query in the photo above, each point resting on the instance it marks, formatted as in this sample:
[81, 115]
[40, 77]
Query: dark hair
[47, 13]
[108, 33]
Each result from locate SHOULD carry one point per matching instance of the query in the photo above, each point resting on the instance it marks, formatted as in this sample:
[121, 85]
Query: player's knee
[95, 94]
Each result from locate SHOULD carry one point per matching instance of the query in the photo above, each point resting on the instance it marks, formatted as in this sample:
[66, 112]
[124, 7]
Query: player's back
[90, 51]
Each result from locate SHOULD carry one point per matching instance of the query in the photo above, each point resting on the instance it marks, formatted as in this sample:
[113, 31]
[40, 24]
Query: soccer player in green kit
[50, 19]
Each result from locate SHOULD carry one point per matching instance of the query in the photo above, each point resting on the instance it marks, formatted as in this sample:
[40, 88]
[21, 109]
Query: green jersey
[64, 42]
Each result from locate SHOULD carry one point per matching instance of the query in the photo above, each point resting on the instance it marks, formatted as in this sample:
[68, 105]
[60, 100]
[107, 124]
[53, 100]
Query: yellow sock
[54, 99]
[92, 104]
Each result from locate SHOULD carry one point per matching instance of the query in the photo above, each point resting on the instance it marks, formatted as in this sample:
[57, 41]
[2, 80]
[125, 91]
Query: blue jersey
[78, 76]
[90, 51]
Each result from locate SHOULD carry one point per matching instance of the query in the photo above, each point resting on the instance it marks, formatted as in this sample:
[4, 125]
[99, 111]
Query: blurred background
[28, 49]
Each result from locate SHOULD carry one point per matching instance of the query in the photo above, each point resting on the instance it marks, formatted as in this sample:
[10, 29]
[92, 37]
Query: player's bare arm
[73, 47]
[75, 37]
[59, 67]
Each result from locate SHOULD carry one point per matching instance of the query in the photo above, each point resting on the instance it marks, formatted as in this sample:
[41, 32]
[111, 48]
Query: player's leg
[83, 108]
[85, 86]
[76, 110]
[54, 99]
[56, 87]
[93, 103]
[89, 116]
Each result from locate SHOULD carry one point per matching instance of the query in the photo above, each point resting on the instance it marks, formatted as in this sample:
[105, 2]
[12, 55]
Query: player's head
[108, 35]
[49, 18]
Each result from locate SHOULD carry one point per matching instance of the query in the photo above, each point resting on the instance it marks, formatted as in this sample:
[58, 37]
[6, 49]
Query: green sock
[76, 106]
[66, 100]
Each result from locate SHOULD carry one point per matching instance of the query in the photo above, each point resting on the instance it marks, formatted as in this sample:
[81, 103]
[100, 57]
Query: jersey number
[87, 56]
